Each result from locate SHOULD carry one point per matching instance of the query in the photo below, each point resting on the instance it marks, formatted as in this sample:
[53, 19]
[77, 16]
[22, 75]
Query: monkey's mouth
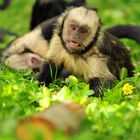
[74, 44]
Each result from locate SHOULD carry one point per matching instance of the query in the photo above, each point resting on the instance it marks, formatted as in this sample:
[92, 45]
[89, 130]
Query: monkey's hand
[49, 72]
[98, 84]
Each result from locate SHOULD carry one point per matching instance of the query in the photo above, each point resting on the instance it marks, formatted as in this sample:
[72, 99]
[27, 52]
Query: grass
[116, 116]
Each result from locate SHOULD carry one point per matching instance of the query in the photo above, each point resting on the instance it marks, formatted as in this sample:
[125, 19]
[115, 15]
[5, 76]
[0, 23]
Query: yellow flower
[127, 89]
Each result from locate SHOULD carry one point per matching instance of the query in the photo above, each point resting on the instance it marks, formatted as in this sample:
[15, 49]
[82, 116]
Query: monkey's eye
[83, 30]
[73, 27]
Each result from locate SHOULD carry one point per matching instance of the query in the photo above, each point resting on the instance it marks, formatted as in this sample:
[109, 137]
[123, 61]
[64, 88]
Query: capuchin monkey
[80, 45]
[46, 9]
[68, 43]
[29, 51]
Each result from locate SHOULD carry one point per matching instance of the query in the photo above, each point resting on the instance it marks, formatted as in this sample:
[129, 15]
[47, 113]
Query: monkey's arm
[126, 31]
[49, 72]
[103, 75]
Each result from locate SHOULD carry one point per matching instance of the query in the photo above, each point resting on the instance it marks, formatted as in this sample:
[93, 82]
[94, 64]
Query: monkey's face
[75, 35]
[79, 30]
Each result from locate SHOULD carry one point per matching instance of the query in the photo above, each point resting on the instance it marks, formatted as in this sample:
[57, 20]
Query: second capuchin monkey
[29, 50]
[80, 45]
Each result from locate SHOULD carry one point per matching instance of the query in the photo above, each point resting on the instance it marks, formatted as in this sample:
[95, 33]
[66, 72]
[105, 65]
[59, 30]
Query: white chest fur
[90, 67]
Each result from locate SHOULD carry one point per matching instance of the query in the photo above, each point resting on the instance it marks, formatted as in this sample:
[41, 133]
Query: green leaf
[123, 73]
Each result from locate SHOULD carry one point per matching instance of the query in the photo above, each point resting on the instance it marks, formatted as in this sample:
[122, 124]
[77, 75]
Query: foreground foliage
[115, 116]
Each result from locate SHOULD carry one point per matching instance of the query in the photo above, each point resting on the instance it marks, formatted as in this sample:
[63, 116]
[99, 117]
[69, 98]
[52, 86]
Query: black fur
[47, 28]
[46, 9]
[48, 73]
[98, 84]
[126, 31]
[26, 50]
[5, 4]
[117, 52]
